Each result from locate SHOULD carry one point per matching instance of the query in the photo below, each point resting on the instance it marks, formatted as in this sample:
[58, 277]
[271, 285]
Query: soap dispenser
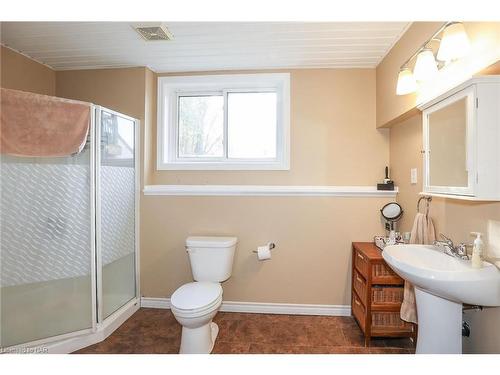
[477, 250]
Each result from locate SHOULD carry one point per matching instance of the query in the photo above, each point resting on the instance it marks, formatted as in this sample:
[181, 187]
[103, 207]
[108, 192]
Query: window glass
[201, 126]
[252, 125]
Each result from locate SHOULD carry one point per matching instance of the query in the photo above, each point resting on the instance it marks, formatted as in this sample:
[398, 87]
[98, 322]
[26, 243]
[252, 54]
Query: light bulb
[425, 67]
[454, 42]
[406, 82]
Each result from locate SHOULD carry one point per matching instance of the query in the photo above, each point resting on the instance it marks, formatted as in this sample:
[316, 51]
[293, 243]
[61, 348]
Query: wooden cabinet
[377, 293]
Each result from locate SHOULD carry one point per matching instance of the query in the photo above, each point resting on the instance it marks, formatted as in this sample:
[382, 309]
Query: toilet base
[199, 340]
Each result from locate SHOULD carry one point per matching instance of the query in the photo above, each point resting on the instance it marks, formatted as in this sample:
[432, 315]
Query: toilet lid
[193, 296]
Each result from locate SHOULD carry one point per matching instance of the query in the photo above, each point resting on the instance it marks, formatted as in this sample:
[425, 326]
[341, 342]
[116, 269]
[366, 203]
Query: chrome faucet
[459, 251]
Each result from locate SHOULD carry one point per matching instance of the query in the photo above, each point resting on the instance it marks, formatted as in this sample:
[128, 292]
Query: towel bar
[428, 200]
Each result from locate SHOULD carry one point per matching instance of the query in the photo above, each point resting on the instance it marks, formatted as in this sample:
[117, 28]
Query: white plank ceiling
[199, 46]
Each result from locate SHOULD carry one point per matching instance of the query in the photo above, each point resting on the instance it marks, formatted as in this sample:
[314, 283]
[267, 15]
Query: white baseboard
[286, 308]
[155, 303]
[262, 307]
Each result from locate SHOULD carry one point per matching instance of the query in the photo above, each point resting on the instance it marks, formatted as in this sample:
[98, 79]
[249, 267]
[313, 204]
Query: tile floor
[157, 331]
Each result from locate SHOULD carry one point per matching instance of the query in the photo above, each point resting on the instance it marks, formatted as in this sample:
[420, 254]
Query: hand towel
[423, 232]
[40, 125]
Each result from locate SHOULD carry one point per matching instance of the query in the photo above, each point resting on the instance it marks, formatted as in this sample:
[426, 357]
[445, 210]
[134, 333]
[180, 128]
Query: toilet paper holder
[270, 244]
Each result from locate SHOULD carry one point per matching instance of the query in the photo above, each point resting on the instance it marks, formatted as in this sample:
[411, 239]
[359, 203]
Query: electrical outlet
[413, 176]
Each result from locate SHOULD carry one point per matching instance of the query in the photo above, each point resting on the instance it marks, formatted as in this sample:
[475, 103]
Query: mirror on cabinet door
[461, 139]
[448, 147]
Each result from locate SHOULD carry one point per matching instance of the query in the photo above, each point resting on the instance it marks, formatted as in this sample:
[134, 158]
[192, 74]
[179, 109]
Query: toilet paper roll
[263, 252]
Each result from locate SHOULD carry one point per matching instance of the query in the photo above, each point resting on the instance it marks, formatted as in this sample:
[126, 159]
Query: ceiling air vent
[153, 32]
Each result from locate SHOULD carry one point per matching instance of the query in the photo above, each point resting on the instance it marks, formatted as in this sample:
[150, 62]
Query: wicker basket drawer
[383, 274]
[382, 320]
[361, 263]
[359, 311]
[387, 295]
[359, 284]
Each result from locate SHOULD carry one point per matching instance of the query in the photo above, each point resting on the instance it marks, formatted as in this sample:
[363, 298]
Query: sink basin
[442, 284]
[428, 268]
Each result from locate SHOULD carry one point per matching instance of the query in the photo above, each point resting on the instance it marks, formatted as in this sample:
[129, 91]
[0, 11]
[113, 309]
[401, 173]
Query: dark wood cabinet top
[369, 249]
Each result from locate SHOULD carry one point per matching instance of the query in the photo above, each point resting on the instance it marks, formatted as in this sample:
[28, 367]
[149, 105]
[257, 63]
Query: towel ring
[428, 200]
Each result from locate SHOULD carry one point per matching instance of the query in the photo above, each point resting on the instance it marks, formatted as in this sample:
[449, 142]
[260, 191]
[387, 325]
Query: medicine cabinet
[461, 141]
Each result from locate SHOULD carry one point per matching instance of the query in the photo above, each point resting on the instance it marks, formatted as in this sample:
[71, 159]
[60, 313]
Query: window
[226, 122]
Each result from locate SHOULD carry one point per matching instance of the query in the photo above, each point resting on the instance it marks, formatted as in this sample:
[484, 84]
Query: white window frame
[169, 90]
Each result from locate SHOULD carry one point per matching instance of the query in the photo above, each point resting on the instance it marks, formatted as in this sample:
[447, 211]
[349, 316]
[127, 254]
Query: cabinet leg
[367, 341]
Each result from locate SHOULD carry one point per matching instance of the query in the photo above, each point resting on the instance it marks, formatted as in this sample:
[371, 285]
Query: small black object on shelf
[386, 186]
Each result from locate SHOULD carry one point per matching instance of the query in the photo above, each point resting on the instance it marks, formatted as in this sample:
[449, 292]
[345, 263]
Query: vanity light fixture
[425, 66]
[454, 44]
[406, 82]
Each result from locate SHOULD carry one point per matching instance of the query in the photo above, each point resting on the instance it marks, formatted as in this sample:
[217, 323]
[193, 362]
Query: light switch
[413, 176]
[493, 248]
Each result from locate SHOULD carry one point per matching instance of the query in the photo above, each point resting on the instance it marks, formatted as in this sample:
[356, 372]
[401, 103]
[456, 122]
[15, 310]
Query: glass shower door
[116, 207]
[47, 283]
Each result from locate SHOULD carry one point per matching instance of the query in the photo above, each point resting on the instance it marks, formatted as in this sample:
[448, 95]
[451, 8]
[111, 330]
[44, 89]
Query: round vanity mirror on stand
[391, 212]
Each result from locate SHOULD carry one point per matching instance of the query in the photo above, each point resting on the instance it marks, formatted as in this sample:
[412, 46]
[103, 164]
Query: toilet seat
[196, 298]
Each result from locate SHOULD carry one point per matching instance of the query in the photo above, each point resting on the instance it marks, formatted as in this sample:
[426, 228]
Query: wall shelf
[270, 190]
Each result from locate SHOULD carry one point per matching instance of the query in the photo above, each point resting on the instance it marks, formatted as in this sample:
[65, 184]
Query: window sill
[207, 166]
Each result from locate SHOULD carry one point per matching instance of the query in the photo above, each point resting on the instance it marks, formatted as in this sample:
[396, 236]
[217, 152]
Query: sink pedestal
[439, 324]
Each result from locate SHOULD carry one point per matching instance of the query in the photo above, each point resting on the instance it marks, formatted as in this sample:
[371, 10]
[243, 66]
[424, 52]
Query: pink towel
[423, 232]
[40, 125]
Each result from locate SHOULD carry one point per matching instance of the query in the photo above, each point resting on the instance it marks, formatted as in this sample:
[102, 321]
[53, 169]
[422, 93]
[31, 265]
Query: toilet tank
[211, 258]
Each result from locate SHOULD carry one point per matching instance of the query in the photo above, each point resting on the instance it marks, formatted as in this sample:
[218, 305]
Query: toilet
[195, 304]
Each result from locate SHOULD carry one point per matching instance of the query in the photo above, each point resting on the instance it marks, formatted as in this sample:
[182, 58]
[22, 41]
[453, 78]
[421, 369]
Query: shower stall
[69, 240]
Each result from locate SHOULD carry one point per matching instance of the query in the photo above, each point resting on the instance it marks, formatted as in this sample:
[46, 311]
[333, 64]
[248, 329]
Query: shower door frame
[100, 329]
[134, 300]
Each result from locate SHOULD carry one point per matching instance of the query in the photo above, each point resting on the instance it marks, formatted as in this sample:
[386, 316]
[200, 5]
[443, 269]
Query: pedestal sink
[442, 284]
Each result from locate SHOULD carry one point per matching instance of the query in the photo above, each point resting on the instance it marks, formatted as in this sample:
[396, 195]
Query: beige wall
[454, 218]
[389, 105]
[485, 49]
[149, 134]
[126, 90]
[333, 135]
[334, 142]
[131, 91]
[21, 73]
[311, 263]
[122, 90]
